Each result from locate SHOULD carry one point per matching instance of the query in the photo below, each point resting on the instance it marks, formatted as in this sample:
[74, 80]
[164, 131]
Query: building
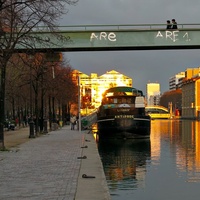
[153, 93]
[174, 81]
[110, 79]
[93, 86]
[183, 93]
[191, 72]
[190, 98]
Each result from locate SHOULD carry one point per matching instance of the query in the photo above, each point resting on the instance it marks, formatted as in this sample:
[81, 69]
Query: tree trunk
[50, 114]
[36, 110]
[42, 111]
[2, 102]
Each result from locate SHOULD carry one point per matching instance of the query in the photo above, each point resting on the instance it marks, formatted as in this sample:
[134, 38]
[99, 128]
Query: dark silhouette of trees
[174, 97]
[18, 18]
[39, 89]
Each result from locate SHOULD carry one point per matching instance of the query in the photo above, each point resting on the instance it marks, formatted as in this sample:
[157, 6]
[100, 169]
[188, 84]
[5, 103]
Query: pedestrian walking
[73, 122]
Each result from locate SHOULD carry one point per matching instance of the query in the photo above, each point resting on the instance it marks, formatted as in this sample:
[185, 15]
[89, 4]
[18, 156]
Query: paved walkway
[48, 167]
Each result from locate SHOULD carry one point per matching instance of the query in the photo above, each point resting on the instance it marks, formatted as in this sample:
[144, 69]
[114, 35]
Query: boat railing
[88, 121]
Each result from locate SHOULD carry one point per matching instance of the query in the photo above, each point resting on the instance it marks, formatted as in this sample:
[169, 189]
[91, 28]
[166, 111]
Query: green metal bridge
[114, 37]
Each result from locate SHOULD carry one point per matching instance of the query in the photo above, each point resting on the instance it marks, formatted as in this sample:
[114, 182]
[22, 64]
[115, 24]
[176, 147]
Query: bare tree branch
[18, 20]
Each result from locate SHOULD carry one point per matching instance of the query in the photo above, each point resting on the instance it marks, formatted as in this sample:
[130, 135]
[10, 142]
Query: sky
[144, 66]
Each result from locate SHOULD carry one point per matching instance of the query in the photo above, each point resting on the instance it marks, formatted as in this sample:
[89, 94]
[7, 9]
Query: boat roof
[124, 89]
[156, 107]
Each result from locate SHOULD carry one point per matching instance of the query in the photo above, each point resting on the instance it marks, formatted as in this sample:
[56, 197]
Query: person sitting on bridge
[169, 25]
[174, 24]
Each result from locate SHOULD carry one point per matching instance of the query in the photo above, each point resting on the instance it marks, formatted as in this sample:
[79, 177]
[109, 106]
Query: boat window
[152, 110]
[119, 100]
[105, 100]
[129, 100]
[155, 110]
[110, 100]
[163, 111]
[123, 100]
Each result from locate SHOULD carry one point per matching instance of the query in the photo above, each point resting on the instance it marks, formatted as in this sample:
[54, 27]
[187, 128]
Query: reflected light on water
[184, 141]
[188, 151]
[124, 162]
[165, 166]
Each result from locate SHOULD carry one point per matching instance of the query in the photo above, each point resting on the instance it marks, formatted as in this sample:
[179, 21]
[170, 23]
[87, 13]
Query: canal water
[164, 167]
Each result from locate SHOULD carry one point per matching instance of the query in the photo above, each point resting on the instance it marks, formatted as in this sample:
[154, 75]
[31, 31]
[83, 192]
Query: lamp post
[79, 105]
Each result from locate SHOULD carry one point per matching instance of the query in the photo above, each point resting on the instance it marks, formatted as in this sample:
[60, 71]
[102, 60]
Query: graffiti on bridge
[166, 35]
[173, 35]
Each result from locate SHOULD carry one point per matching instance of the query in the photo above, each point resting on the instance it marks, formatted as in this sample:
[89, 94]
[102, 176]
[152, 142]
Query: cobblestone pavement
[46, 167]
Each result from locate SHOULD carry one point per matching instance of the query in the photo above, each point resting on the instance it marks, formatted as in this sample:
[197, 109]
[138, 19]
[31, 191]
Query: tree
[67, 90]
[30, 80]
[172, 96]
[13, 86]
[18, 18]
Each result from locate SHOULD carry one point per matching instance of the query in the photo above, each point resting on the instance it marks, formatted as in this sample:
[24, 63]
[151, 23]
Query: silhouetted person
[169, 25]
[174, 24]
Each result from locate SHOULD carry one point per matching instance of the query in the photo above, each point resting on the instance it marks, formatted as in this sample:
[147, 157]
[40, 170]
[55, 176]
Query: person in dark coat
[169, 25]
[174, 24]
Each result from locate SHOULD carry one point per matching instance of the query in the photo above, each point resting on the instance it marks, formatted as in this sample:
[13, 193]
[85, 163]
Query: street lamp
[79, 105]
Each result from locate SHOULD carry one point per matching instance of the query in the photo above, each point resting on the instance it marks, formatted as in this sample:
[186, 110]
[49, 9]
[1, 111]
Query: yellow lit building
[191, 72]
[153, 93]
[93, 86]
[190, 98]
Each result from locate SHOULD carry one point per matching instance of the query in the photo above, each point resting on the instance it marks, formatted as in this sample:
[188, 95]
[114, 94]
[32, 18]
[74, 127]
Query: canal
[164, 167]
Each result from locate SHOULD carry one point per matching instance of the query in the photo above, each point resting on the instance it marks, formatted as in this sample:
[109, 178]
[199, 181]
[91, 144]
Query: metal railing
[116, 27]
[88, 120]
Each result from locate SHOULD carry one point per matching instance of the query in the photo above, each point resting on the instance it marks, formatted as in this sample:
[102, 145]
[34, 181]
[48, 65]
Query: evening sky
[142, 66]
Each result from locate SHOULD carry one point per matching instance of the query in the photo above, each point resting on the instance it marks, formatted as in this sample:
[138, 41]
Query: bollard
[83, 157]
[60, 124]
[54, 126]
[86, 176]
[85, 146]
[31, 125]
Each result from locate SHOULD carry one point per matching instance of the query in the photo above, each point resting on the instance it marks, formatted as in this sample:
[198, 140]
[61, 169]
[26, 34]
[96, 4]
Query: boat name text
[124, 116]
[123, 110]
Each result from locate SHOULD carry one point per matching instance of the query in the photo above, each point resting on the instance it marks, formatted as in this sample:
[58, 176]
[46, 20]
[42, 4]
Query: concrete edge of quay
[91, 188]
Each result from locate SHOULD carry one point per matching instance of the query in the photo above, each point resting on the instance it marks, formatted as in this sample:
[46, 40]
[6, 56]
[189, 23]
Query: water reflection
[167, 166]
[124, 162]
[183, 139]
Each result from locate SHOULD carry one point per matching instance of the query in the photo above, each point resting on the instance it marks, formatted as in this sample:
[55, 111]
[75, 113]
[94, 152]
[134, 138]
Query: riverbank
[50, 166]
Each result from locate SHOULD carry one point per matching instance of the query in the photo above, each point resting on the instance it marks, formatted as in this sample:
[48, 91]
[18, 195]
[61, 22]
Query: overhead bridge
[114, 37]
